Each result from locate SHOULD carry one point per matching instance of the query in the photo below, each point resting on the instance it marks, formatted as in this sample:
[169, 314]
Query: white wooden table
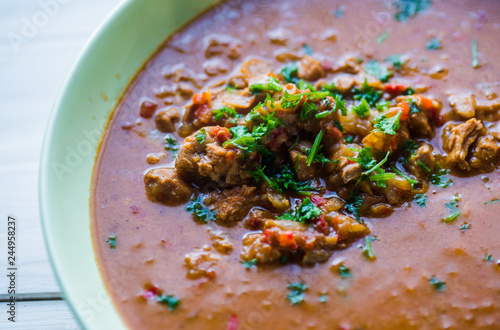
[39, 41]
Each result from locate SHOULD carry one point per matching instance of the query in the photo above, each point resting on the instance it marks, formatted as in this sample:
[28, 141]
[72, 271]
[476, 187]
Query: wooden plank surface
[40, 40]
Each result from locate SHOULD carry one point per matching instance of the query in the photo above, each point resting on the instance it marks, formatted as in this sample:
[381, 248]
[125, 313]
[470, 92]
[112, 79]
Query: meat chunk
[486, 153]
[164, 185]
[233, 205]
[304, 172]
[310, 69]
[349, 63]
[166, 119]
[458, 139]
[209, 159]
[422, 162]
[200, 263]
[463, 105]
[346, 227]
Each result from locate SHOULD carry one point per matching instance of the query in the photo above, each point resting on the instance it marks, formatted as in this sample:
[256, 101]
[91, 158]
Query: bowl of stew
[251, 164]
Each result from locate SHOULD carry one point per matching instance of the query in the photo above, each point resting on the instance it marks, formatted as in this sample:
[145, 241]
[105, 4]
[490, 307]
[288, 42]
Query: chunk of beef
[310, 69]
[422, 163]
[232, 205]
[166, 119]
[487, 106]
[209, 159]
[346, 227]
[348, 63]
[164, 185]
[485, 154]
[458, 139]
[304, 172]
[463, 105]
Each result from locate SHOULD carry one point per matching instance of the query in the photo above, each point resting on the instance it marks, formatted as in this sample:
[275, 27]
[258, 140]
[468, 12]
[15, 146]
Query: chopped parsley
[369, 164]
[111, 241]
[272, 85]
[340, 104]
[493, 201]
[434, 44]
[315, 148]
[440, 178]
[290, 72]
[465, 226]
[170, 301]
[304, 213]
[488, 258]
[249, 263]
[353, 205]
[452, 207]
[367, 248]
[406, 9]
[289, 101]
[368, 93]
[421, 200]
[171, 144]
[344, 272]
[362, 109]
[226, 112]
[198, 208]
[284, 179]
[378, 70]
[387, 125]
[437, 284]
[475, 61]
[406, 177]
[307, 49]
[422, 165]
[201, 136]
[339, 12]
[382, 37]
[396, 60]
[349, 138]
[297, 292]
[324, 298]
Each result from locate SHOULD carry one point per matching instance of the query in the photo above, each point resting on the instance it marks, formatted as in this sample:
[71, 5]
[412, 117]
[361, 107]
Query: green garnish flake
[353, 205]
[367, 248]
[378, 70]
[406, 177]
[421, 200]
[387, 125]
[465, 226]
[349, 138]
[475, 61]
[297, 292]
[434, 44]
[198, 208]
[111, 241]
[362, 109]
[284, 179]
[315, 148]
[304, 213]
[249, 263]
[272, 85]
[290, 72]
[368, 93]
[452, 207]
[201, 136]
[488, 258]
[437, 284]
[382, 37]
[170, 301]
[171, 144]
[307, 49]
[344, 272]
[339, 12]
[226, 112]
[440, 178]
[324, 298]
[492, 201]
[396, 60]
[406, 9]
[426, 169]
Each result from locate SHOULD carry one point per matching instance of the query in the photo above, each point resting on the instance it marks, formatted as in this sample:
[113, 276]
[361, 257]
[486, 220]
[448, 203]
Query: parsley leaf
[421, 200]
[297, 292]
[344, 272]
[290, 72]
[249, 263]
[406, 177]
[406, 9]
[434, 44]
[440, 178]
[465, 226]
[198, 208]
[111, 241]
[375, 69]
[227, 112]
[283, 180]
[171, 144]
[452, 207]
[367, 93]
[340, 104]
[272, 84]
[353, 205]
[387, 125]
[304, 213]
[362, 109]
[396, 60]
[367, 248]
[315, 148]
[170, 301]
[437, 284]
[488, 258]
[475, 61]
[201, 136]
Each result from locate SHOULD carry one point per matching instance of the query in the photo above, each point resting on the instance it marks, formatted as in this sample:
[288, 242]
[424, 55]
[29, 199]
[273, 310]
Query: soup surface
[309, 164]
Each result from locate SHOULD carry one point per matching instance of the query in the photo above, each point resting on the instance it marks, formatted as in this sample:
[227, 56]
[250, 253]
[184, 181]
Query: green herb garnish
[249, 263]
[198, 208]
[421, 200]
[272, 85]
[488, 258]
[201, 136]
[406, 9]
[290, 72]
[111, 241]
[382, 37]
[375, 69]
[353, 205]
[226, 112]
[297, 292]
[437, 284]
[387, 125]
[475, 61]
[368, 93]
[304, 213]
[171, 144]
[170, 301]
[344, 272]
[434, 44]
[315, 148]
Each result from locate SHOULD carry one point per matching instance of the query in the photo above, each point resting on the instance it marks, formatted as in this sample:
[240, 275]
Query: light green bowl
[99, 78]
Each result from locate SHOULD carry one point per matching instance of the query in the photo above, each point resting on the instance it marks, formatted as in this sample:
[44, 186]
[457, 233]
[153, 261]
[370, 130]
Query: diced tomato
[321, 224]
[147, 109]
[395, 88]
[151, 292]
[203, 98]
[405, 108]
[317, 200]
[222, 134]
[287, 239]
[428, 106]
[332, 132]
[134, 209]
[233, 323]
